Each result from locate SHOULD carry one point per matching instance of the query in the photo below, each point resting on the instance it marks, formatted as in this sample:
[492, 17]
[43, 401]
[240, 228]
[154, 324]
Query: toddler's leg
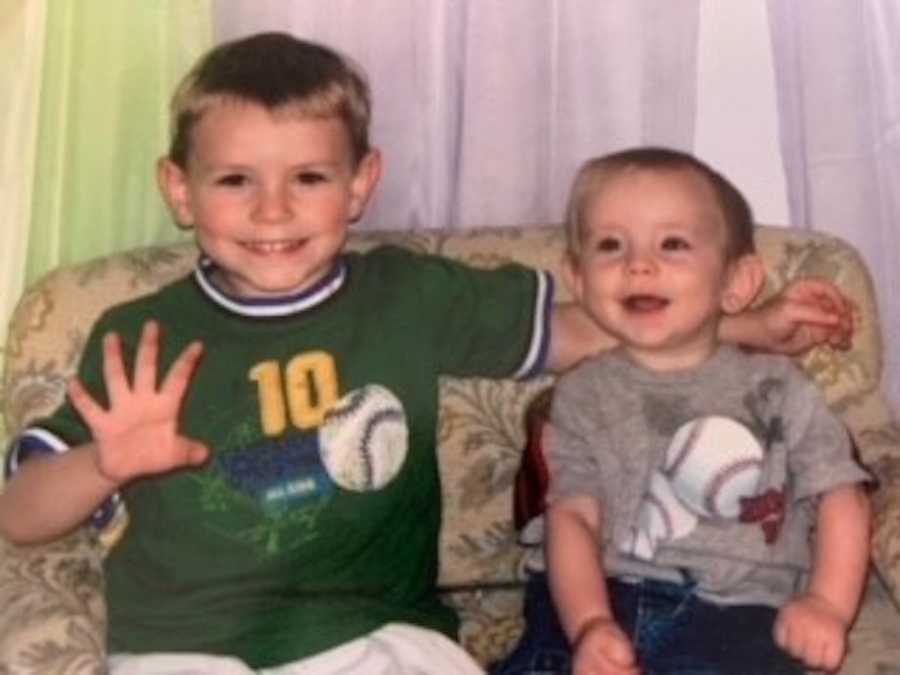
[739, 639]
[543, 648]
[677, 633]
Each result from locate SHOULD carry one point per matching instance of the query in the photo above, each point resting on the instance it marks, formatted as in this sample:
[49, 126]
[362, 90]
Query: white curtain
[838, 78]
[485, 108]
[21, 44]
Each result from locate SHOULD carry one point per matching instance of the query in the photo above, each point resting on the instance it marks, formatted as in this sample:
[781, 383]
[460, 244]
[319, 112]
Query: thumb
[197, 453]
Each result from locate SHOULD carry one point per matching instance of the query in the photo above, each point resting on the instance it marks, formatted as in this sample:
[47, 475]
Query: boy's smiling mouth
[279, 246]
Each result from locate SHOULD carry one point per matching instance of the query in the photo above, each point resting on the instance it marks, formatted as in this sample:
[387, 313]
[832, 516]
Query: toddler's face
[270, 195]
[652, 268]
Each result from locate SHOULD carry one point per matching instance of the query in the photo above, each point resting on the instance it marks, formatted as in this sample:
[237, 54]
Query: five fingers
[824, 305]
[84, 403]
[145, 363]
[822, 325]
[114, 369]
[146, 367]
[179, 375]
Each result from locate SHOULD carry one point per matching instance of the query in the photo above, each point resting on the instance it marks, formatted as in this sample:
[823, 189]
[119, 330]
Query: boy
[284, 508]
[686, 476]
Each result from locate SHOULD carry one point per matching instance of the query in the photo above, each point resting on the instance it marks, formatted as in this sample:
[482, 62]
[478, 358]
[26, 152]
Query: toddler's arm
[813, 627]
[579, 590]
[138, 435]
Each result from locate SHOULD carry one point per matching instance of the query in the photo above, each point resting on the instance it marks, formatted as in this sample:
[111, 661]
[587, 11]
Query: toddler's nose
[640, 262]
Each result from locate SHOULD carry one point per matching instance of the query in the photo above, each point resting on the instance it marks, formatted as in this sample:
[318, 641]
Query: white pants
[394, 649]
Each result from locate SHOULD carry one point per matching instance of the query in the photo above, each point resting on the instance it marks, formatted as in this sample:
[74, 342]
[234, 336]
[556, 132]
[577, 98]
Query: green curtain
[87, 85]
[108, 71]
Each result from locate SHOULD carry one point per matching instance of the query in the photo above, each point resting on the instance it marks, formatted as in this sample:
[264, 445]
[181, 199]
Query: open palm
[138, 433]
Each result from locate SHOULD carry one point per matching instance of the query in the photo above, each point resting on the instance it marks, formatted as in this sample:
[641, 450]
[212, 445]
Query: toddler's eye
[675, 244]
[232, 180]
[608, 245]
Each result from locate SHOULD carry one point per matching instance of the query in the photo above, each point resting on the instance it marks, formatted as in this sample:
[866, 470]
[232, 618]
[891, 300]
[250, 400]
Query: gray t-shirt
[746, 501]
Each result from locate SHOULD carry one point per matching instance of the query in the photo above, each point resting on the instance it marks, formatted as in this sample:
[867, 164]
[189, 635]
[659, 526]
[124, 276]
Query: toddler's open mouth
[645, 303]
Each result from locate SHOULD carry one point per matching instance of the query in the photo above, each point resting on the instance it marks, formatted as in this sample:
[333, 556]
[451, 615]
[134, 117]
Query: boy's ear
[366, 177]
[746, 277]
[173, 186]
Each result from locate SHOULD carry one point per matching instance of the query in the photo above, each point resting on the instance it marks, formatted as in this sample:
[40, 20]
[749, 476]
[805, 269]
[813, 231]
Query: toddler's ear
[571, 275]
[746, 277]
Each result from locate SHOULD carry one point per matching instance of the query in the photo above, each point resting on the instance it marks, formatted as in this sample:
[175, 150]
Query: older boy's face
[270, 195]
[652, 267]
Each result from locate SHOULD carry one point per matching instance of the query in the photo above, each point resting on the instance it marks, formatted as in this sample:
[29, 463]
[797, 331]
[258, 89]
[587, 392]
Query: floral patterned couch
[51, 611]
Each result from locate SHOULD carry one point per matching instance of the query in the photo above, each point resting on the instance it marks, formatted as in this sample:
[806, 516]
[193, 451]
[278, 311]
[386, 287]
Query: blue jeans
[673, 631]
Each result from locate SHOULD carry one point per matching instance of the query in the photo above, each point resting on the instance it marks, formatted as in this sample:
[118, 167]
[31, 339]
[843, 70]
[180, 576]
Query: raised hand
[138, 434]
[807, 313]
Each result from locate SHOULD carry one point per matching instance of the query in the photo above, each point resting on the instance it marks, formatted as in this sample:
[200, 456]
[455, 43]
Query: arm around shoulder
[574, 336]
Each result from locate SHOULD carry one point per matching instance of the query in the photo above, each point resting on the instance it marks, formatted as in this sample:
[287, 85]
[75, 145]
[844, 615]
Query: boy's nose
[273, 206]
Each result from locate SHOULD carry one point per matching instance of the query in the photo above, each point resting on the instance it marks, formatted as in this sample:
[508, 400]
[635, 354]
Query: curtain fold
[484, 108]
[108, 70]
[21, 43]
[838, 86]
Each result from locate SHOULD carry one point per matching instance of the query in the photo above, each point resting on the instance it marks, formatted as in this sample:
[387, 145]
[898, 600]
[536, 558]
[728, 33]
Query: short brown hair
[593, 173]
[277, 71]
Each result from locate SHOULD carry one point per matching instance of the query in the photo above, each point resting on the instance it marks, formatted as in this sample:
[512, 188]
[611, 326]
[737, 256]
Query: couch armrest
[850, 379]
[886, 525]
[54, 617]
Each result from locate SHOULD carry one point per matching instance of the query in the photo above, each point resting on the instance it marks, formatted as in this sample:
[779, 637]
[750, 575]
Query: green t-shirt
[316, 519]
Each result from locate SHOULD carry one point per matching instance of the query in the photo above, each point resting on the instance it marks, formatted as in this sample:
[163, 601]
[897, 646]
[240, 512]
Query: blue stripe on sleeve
[35, 441]
[536, 356]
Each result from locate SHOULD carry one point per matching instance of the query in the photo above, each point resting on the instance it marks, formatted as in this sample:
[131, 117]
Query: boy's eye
[675, 244]
[232, 180]
[310, 177]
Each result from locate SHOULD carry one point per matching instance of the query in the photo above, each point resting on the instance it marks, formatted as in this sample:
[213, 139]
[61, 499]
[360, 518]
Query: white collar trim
[274, 307]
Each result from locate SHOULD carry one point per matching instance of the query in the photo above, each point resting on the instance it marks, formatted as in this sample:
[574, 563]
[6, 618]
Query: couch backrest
[481, 431]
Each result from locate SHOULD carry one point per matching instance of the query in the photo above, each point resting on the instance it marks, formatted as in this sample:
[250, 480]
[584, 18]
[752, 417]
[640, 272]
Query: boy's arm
[137, 435]
[578, 584]
[573, 336]
[51, 495]
[806, 313]
[814, 626]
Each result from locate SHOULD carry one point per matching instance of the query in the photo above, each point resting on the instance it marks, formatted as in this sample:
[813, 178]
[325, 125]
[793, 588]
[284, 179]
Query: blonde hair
[279, 72]
[595, 172]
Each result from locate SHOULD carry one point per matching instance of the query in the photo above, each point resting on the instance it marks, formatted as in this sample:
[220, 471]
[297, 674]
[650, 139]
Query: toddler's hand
[808, 312]
[809, 628]
[603, 649]
[138, 434]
